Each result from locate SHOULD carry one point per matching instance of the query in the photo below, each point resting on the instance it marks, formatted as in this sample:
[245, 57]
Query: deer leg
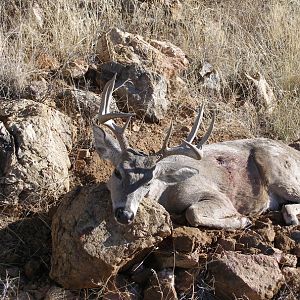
[215, 213]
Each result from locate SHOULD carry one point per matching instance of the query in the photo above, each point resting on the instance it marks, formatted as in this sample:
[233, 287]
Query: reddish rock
[283, 242]
[89, 246]
[187, 239]
[257, 277]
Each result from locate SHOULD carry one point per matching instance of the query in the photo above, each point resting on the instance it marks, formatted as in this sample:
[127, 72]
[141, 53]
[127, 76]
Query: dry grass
[235, 36]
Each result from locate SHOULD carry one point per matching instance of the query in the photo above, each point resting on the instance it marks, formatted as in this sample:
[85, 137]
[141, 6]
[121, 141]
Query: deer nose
[124, 216]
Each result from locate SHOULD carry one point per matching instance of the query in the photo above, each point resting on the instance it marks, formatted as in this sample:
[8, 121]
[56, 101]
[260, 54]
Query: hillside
[238, 58]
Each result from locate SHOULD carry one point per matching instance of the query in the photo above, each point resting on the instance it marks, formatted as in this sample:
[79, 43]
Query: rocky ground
[46, 150]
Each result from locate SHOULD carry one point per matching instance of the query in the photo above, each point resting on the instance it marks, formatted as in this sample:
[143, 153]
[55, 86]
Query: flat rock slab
[90, 247]
[254, 277]
[34, 144]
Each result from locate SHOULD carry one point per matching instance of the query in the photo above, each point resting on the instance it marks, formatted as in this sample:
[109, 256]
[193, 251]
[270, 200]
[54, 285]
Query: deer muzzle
[124, 216]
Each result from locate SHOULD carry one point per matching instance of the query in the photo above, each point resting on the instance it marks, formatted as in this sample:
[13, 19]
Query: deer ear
[172, 175]
[106, 146]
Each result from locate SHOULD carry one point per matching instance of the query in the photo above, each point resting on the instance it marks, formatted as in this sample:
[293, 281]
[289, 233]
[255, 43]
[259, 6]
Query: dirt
[25, 249]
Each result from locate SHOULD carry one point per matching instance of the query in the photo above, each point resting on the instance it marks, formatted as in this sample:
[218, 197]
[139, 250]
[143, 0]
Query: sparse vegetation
[39, 37]
[235, 36]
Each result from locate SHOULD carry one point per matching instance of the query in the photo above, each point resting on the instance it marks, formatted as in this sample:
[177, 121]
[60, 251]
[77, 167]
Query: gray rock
[148, 67]
[85, 103]
[35, 140]
[138, 90]
[254, 277]
[89, 246]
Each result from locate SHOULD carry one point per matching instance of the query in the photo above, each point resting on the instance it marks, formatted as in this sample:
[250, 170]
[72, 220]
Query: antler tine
[186, 148]
[196, 125]
[167, 138]
[106, 117]
[208, 132]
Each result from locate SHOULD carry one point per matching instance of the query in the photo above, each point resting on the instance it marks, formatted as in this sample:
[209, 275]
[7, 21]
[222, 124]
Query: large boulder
[90, 247]
[34, 145]
[150, 66]
[254, 277]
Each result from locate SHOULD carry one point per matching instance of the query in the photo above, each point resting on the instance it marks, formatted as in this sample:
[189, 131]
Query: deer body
[220, 189]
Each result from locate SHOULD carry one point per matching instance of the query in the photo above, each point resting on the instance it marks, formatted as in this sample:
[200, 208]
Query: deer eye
[117, 174]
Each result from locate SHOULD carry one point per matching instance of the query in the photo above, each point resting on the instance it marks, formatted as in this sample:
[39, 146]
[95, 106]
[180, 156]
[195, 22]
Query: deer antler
[186, 148]
[106, 117]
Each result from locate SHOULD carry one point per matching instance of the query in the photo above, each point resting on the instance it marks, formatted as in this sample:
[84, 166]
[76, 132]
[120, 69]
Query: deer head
[137, 174]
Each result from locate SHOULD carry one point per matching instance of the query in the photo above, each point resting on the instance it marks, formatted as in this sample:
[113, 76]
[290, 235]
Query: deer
[219, 185]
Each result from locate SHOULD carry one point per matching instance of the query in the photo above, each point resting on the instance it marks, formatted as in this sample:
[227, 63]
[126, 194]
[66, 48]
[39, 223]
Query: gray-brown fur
[226, 183]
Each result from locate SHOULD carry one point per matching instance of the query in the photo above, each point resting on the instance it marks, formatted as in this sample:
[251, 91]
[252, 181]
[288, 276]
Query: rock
[292, 277]
[168, 259]
[7, 150]
[35, 141]
[283, 242]
[188, 239]
[89, 246]
[77, 102]
[257, 277]
[147, 68]
[161, 286]
[296, 250]
[83, 154]
[250, 239]
[75, 69]
[210, 79]
[295, 145]
[295, 235]
[145, 93]
[267, 233]
[37, 90]
[227, 244]
[288, 260]
[265, 98]
[126, 48]
[56, 292]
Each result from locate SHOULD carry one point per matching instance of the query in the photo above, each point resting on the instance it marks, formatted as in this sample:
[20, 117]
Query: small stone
[227, 243]
[292, 277]
[267, 233]
[56, 292]
[84, 153]
[186, 239]
[288, 260]
[136, 128]
[167, 259]
[186, 128]
[75, 69]
[295, 235]
[283, 242]
[80, 164]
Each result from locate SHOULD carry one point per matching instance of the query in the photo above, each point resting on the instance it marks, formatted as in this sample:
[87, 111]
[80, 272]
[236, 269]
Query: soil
[25, 235]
